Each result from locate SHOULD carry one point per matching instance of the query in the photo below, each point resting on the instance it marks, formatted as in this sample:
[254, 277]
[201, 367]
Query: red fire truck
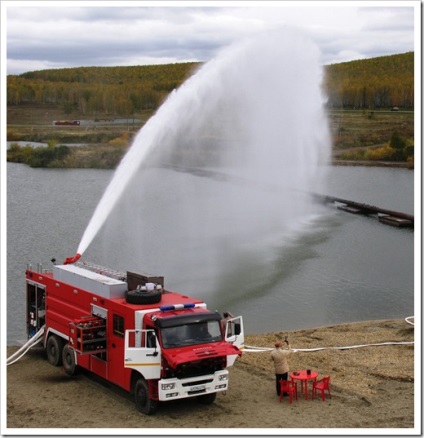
[126, 328]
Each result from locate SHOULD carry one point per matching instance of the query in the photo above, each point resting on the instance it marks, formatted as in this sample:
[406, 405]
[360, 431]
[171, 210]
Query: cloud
[51, 35]
[110, 36]
[386, 20]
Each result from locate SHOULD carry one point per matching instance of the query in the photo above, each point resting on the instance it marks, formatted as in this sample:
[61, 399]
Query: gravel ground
[372, 388]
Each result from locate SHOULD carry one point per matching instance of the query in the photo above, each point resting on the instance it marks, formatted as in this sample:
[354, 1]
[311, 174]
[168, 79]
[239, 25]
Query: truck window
[191, 334]
[118, 326]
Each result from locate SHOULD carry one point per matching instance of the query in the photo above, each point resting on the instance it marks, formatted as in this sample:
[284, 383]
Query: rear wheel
[142, 400]
[54, 350]
[207, 399]
[69, 362]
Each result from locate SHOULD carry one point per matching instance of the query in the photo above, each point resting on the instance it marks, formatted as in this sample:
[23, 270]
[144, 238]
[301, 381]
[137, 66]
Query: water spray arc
[261, 103]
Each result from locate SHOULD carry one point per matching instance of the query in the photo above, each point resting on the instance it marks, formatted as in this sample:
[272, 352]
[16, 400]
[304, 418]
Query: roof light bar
[177, 307]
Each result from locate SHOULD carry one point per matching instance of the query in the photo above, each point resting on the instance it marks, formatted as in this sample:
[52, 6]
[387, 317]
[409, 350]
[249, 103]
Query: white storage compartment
[90, 281]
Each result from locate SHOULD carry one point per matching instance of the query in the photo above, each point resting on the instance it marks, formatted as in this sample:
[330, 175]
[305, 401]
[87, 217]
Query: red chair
[289, 387]
[321, 385]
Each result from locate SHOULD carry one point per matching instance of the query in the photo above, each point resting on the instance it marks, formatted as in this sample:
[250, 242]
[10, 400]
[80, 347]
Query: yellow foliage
[383, 153]
[13, 135]
[123, 140]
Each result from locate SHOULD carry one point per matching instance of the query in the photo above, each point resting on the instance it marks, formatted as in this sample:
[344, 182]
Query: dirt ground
[372, 387]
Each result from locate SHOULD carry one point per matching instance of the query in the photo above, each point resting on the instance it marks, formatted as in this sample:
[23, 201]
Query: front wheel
[142, 400]
[207, 399]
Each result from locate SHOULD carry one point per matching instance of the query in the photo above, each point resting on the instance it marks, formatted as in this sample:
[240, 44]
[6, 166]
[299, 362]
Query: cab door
[234, 334]
[143, 353]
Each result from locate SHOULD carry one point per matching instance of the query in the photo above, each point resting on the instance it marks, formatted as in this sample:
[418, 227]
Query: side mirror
[152, 343]
[151, 340]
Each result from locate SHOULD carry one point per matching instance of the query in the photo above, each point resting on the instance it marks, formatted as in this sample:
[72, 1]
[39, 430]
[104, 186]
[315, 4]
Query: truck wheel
[144, 404]
[143, 297]
[207, 399]
[68, 359]
[54, 350]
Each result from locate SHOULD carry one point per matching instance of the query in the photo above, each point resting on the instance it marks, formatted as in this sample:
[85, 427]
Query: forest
[383, 82]
[99, 90]
[376, 83]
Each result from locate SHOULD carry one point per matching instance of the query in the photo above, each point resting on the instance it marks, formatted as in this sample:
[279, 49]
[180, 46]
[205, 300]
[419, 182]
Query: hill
[382, 82]
[108, 105]
[99, 90]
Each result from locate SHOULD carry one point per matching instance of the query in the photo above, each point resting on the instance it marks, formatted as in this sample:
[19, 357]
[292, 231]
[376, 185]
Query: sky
[46, 35]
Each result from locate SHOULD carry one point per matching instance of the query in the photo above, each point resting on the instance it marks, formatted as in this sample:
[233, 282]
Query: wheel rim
[68, 359]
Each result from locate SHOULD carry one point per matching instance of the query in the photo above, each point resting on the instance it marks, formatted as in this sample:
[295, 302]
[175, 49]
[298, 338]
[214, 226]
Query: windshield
[191, 334]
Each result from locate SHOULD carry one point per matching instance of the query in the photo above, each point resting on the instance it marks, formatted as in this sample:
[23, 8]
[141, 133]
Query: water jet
[256, 111]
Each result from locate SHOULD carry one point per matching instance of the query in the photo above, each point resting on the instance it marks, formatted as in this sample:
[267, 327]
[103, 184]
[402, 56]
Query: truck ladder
[117, 275]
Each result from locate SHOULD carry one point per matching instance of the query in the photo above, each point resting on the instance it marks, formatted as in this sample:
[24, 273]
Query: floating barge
[389, 217]
[396, 221]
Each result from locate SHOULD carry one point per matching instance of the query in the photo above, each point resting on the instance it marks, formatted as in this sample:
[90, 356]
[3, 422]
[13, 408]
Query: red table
[304, 377]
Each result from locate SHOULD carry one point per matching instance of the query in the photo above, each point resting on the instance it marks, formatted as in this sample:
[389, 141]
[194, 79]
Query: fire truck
[126, 328]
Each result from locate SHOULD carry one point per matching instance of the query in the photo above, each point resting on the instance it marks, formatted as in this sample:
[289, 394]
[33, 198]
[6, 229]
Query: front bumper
[173, 389]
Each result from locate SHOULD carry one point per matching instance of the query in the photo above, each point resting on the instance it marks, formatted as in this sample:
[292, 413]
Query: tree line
[382, 82]
[99, 90]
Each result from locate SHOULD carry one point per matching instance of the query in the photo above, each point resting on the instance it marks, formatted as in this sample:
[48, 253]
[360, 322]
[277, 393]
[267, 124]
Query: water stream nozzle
[73, 259]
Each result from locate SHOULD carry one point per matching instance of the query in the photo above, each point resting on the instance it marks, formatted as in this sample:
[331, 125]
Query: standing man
[279, 357]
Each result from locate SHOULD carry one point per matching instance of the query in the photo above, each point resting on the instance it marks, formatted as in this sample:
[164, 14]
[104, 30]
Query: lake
[280, 272]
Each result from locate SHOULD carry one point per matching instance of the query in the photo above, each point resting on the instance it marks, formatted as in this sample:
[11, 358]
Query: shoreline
[363, 383]
[332, 162]
[391, 164]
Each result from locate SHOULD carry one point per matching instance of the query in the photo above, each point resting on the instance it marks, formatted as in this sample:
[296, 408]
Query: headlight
[223, 377]
[167, 386]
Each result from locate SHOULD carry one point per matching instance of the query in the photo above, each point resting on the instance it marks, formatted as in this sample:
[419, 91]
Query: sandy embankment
[372, 387]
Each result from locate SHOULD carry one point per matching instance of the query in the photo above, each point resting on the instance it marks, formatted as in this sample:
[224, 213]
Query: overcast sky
[44, 35]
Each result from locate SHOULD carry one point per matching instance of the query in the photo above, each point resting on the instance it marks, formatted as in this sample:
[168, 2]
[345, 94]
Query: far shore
[393, 164]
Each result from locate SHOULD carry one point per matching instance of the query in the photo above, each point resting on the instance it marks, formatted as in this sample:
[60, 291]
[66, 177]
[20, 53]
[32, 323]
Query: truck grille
[200, 367]
[200, 382]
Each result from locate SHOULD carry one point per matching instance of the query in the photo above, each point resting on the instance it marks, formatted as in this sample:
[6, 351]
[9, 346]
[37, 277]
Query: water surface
[333, 267]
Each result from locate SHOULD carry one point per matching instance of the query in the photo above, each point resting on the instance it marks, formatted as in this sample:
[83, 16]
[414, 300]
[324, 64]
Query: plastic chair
[321, 385]
[290, 387]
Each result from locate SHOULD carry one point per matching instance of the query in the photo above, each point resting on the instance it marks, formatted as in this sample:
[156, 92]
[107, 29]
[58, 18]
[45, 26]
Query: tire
[143, 297]
[54, 349]
[207, 399]
[69, 362]
[142, 400]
